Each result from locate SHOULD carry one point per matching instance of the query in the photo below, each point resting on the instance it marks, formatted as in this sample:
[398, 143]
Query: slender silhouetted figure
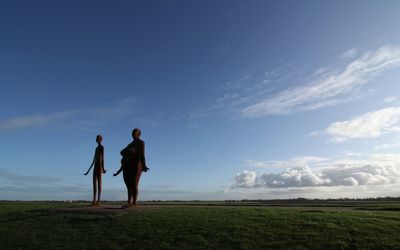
[132, 164]
[98, 163]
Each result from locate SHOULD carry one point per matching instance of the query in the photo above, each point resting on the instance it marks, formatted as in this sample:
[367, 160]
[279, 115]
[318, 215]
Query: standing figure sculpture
[98, 163]
[133, 163]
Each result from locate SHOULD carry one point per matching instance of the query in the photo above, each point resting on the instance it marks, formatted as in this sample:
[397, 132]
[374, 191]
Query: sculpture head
[99, 138]
[136, 133]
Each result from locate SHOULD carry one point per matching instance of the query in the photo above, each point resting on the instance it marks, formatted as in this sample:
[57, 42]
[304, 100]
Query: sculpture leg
[94, 188]
[136, 183]
[98, 188]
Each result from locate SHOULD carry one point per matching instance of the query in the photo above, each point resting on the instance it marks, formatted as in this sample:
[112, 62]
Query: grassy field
[200, 225]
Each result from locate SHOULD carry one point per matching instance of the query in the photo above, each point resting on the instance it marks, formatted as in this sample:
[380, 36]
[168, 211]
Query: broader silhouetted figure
[132, 164]
[98, 163]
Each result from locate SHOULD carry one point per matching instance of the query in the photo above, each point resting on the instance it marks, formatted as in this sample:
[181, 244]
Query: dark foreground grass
[40, 226]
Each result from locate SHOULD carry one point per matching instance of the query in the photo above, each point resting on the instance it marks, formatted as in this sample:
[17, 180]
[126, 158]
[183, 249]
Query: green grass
[41, 226]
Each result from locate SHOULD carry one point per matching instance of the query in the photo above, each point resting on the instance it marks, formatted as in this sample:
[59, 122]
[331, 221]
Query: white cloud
[389, 99]
[332, 88]
[387, 146]
[84, 117]
[351, 53]
[376, 169]
[352, 175]
[293, 177]
[251, 86]
[370, 125]
[246, 179]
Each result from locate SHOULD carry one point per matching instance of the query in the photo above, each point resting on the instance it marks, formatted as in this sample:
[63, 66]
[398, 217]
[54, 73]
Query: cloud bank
[372, 170]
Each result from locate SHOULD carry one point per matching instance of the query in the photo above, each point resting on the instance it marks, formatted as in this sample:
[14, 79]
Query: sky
[235, 99]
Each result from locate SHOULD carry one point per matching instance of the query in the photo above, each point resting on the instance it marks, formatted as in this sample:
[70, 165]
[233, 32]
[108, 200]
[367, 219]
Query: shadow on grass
[34, 214]
[72, 214]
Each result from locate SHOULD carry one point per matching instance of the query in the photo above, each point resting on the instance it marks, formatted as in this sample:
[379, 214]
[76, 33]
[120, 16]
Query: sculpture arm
[91, 165]
[143, 158]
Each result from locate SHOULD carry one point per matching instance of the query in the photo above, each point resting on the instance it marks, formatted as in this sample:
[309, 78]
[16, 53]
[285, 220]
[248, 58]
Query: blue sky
[236, 99]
